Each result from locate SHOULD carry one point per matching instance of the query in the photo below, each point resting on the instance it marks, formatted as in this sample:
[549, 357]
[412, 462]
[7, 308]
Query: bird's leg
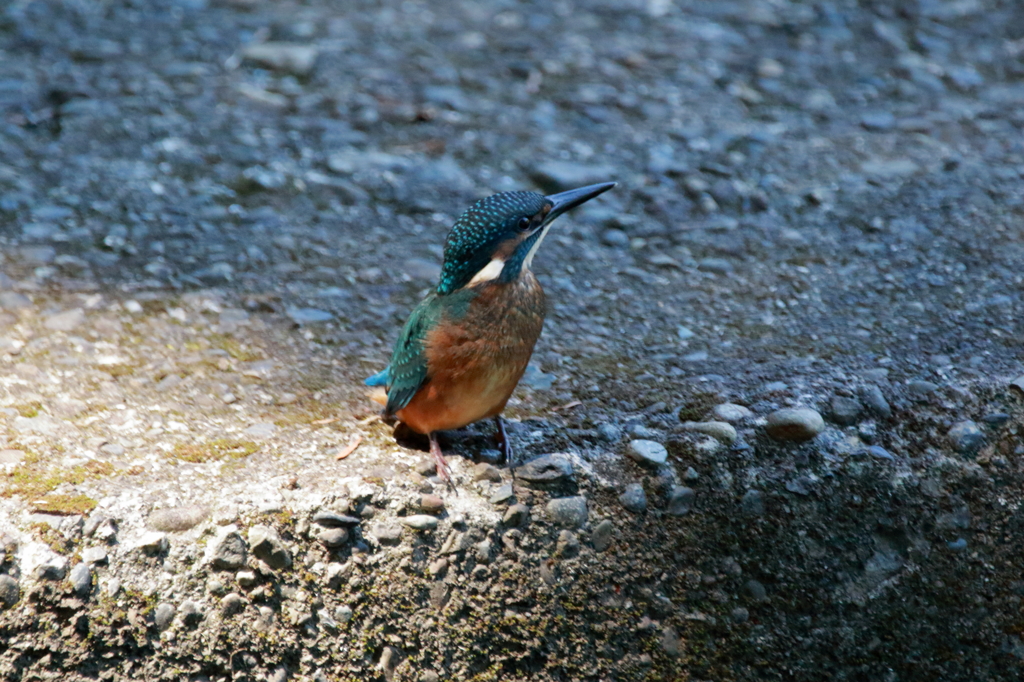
[442, 466]
[504, 444]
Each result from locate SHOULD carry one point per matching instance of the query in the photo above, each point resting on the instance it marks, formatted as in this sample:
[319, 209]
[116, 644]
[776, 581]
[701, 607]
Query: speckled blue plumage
[477, 231]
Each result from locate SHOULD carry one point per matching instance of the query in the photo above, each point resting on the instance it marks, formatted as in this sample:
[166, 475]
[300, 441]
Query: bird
[465, 347]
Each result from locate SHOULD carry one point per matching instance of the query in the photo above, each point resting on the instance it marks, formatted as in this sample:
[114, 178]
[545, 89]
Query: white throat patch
[489, 272]
[533, 249]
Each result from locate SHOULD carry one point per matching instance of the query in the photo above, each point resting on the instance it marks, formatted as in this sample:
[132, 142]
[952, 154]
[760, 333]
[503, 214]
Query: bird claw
[443, 470]
[505, 446]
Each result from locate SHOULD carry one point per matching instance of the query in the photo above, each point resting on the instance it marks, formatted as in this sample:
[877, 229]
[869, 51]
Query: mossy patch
[234, 348]
[65, 505]
[34, 479]
[29, 410]
[214, 450]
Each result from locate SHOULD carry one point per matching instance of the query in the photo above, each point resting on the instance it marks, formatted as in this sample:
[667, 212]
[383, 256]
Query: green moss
[65, 504]
[213, 451]
[236, 350]
[33, 479]
[120, 370]
[29, 410]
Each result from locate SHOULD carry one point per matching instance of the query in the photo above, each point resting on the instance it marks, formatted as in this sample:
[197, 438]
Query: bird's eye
[524, 224]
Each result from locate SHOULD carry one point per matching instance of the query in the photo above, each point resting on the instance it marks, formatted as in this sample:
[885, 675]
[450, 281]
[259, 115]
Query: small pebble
[611, 433]
[266, 544]
[568, 545]
[228, 550]
[486, 472]
[333, 537]
[921, 391]
[752, 503]
[502, 495]
[81, 579]
[333, 520]
[680, 500]
[516, 515]
[755, 591]
[163, 615]
[230, 604]
[967, 438]
[10, 591]
[795, 424]
[720, 431]
[958, 545]
[875, 402]
[569, 512]
[601, 537]
[420, 522]
[647, 452]
[246, 579]
[845, 410]
[633, 498]
[431, 504]
[54, 569]
[546, 471]
[153, 543]
[731, 412]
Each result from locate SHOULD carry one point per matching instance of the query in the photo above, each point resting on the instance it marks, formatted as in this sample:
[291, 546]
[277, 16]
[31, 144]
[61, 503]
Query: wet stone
[845, 410]
[921, 391]
[649, 453]
[795, 424]
[967, 437]
[633, 498]
[601, 537]
[569, 512]
[755, 591]
[680, 500]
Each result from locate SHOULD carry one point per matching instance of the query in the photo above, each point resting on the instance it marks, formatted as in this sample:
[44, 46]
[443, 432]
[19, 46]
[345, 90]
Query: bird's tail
[379, 379]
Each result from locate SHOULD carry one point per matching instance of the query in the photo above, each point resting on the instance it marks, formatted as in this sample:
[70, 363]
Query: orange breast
[475, 362]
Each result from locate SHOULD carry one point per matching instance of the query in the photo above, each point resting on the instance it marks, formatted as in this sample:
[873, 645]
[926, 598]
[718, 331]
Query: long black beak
[565, 201]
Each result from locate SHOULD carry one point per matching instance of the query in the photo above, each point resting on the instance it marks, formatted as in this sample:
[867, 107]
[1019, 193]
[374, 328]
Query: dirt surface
[778, 400]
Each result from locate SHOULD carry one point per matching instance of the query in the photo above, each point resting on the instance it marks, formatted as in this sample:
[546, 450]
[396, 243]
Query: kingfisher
[465, 347]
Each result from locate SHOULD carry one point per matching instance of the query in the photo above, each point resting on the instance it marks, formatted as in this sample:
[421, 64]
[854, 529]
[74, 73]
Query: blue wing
[381, 378]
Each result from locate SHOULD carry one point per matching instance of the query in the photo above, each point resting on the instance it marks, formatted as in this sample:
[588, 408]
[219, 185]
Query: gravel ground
[773, 428]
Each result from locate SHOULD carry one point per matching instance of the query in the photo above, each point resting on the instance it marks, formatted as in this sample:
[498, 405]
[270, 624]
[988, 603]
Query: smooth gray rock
[558, 176]
[649, 453]
[94, 555]
[601, 537]
[502, 495]
[752, 503]
[386, 534]
[680, 500]
[731, 412]
[516, 515]
[177, 519]
[633, 498]
[795, 424]
[262, 430]
[611, 433]
[231, 604]
[755, 591]
[81, 579]
[13, 300]
[420, 521]
[293, 58]
[546, 470]
[333, 537]
[302, 316]
[66, 321]
[845, 410]
[10, 591]
[153, 543]
[720, 431]
[267, 545]
[54, 569]
[569, 512]
[163, 616]
[229, 551]
[329, 519]
[920, 390]
[967, 437]
[875, 403]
